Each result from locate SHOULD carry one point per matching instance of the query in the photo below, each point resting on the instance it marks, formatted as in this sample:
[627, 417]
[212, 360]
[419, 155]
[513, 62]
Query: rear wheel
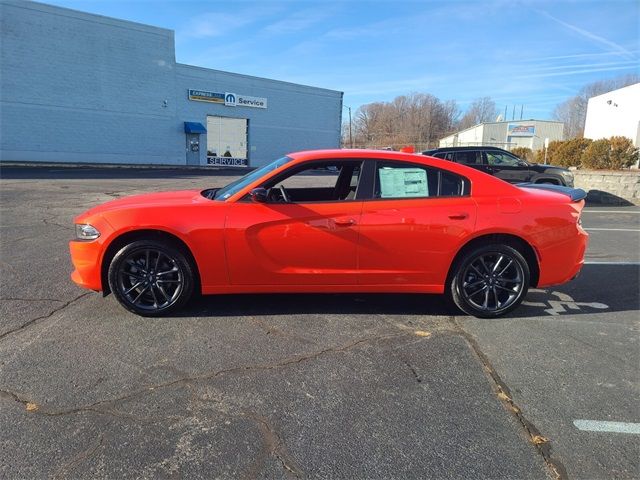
[151, 278]
[490, 281]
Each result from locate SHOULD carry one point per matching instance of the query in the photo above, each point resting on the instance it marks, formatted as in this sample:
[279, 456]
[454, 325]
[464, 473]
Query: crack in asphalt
[95, 407]
[270, 329]
[42, 317]
[54, 224]
[273, 445]
[541, 443]
[413, 371]
[65, 469]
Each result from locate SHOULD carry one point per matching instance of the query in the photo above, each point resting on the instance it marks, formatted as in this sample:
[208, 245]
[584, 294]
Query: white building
[616, 113]
[516, 133]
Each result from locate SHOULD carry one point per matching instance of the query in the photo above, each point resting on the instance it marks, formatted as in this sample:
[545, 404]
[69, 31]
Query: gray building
[78, 87]
[515, 133]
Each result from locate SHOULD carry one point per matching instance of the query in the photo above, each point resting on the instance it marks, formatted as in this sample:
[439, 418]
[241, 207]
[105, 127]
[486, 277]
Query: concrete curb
[9, 164]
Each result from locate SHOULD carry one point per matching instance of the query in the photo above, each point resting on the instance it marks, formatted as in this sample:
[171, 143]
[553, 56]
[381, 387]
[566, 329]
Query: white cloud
[614, 47]
[216, 24]
[298, 21]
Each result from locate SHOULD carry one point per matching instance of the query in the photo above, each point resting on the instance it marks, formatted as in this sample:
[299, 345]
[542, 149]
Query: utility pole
[350, 130]
[521, 110]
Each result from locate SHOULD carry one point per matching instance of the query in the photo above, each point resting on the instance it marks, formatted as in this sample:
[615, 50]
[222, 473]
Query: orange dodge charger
[336, 221]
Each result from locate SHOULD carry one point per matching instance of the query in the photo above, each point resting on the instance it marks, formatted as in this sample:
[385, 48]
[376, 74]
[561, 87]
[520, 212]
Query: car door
[508, 167]
[311, 241]
[413, 224]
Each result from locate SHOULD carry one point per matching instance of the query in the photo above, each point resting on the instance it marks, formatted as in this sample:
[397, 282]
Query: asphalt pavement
[305, 386]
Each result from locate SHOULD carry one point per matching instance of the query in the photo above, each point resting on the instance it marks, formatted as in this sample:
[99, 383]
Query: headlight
[86, 232]
[566, 173]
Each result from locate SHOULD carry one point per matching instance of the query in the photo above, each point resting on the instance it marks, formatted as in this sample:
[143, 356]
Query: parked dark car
[504, 165]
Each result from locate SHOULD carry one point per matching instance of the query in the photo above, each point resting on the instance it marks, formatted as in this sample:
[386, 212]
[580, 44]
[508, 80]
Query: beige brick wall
[610, 187]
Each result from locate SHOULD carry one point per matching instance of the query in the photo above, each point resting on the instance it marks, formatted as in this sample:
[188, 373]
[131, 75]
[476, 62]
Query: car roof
[353, 153]
[483, 184]
[462, 149]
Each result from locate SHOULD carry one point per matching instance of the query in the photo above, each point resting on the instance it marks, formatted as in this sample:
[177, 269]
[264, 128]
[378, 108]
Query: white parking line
[612, 229]
[602, 426]
[595, 262]
[636, 212]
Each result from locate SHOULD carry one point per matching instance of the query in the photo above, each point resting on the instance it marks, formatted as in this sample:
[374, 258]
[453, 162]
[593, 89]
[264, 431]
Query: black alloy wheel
[151, 278]
[490, 281]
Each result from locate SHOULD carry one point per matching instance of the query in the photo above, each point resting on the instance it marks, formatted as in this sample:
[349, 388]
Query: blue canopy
[194, 127]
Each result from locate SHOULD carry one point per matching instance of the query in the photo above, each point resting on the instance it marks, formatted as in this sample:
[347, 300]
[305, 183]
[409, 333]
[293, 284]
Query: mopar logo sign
[230, 99]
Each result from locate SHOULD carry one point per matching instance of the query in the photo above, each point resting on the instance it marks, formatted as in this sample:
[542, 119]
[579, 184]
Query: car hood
[549, 168]
[173, 199]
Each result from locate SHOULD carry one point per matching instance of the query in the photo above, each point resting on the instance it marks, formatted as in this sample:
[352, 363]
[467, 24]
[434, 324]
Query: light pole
[546, 146]
[350, 132]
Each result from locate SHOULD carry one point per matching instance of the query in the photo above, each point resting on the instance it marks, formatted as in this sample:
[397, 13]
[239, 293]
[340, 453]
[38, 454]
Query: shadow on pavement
[81, 173]
[599, 198]
[599, 289]
[314, 304]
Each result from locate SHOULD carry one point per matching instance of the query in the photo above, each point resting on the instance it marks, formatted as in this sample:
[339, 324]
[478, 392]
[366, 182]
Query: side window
[439, 154]
[468, 157]
[326, 181]
[501, 159]
[406, 180]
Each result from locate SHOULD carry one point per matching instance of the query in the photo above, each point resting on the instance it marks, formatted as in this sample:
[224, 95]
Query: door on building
[227, 141]
[193, 149]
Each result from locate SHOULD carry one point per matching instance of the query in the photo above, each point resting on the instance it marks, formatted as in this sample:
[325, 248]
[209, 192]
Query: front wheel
[151, 278]
[490, 281]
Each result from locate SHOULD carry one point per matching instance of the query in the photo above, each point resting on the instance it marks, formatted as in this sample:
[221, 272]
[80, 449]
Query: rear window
[469, 157]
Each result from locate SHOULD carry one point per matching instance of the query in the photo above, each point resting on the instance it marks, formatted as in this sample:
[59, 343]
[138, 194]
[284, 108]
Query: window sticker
[403, 182]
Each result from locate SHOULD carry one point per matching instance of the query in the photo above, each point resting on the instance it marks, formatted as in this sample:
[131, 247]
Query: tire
[548, 181]
[151, 278]
[481, 289]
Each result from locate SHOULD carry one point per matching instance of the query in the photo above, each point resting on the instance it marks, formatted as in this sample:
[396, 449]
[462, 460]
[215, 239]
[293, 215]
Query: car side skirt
[227, 289]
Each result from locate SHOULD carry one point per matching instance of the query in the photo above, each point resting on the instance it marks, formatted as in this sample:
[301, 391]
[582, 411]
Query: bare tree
[481, 110]
[418, 119]
[573, 111]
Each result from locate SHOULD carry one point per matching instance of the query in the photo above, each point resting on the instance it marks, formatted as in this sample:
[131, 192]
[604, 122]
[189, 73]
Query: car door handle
[458, 216]
[344, 222]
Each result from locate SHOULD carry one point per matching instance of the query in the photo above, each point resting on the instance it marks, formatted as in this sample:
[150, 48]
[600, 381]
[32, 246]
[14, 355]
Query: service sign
[227, 161]
[254, 102]
[228, 99]
[519, 130]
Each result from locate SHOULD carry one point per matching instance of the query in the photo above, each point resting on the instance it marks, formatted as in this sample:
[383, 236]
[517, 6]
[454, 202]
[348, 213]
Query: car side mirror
[259, 195]
[522, 163]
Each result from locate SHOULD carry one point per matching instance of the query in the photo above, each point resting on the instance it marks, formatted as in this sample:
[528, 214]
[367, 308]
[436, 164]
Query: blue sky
[535, 53]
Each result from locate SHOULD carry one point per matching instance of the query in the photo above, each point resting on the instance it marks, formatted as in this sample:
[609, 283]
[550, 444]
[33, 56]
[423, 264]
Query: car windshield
[237, 185]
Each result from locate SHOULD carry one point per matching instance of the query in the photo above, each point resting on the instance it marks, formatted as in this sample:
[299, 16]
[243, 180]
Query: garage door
[227, 141]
